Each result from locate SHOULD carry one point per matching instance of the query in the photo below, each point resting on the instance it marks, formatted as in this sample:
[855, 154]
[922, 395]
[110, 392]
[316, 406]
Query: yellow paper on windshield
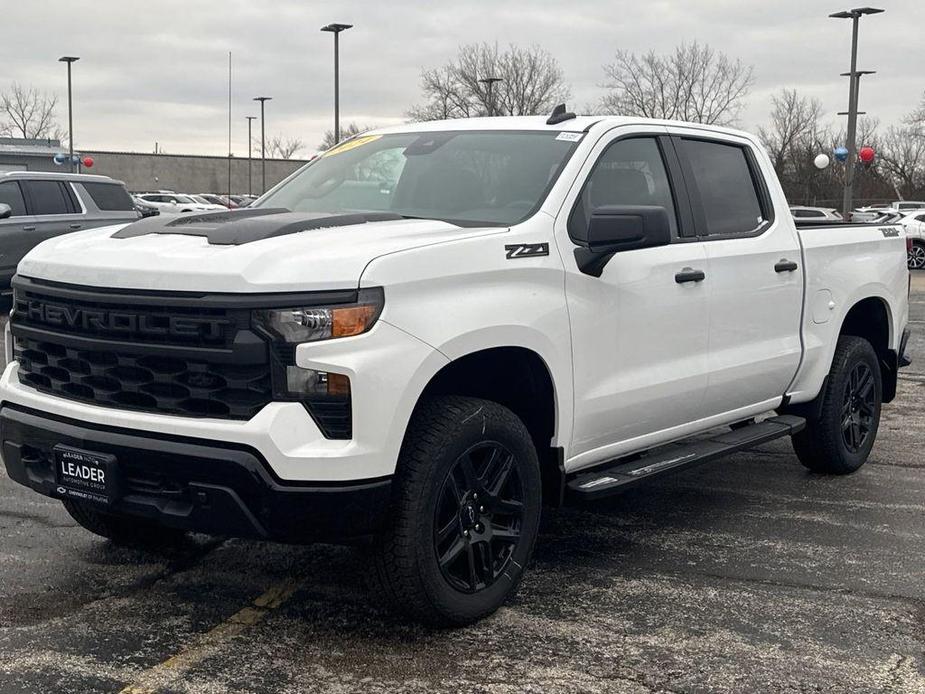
[351, 144]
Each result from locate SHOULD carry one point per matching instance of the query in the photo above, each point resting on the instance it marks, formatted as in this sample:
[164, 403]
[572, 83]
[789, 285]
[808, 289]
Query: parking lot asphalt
[746, 575]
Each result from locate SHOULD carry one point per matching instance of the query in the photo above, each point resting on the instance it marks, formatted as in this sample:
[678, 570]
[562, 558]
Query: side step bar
[621, 474]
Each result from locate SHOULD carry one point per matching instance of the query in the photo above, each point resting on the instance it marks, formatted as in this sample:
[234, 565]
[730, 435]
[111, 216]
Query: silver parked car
[35, 206]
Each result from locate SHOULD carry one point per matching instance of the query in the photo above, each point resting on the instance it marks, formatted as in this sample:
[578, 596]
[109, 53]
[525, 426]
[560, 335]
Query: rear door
[755, 278]
[54, 210]
[13, 232]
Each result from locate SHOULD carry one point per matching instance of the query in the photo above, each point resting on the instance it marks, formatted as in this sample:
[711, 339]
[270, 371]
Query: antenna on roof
[559, 115]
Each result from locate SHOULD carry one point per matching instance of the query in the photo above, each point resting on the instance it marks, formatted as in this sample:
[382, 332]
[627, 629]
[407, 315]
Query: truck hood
[246, 251]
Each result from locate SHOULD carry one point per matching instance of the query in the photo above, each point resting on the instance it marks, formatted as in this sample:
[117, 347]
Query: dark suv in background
[36, 206]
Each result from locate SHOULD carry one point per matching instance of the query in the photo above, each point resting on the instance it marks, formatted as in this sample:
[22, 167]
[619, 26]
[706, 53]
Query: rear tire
[839, 441]
[466, 511]
[122, 530]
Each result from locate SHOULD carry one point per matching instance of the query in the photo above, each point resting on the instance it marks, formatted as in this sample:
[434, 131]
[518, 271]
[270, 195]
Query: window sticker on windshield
[570, 137]
[351, 144]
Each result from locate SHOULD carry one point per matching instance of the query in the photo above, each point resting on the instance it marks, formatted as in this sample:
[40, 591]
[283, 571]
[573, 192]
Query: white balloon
[821, 161]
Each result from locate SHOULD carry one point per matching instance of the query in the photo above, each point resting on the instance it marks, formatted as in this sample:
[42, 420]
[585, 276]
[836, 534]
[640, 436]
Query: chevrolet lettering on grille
[120, 322]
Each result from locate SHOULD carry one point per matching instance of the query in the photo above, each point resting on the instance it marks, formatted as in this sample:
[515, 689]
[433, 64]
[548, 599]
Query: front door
[13, 231]
[639, 330]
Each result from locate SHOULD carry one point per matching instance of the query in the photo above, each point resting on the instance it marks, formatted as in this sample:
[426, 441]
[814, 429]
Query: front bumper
[222, 489]
[387, 367]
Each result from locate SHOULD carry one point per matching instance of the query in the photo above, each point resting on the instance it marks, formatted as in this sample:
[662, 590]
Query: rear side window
[109, 197]
[728, 189]
[47, 197]
[11, 195]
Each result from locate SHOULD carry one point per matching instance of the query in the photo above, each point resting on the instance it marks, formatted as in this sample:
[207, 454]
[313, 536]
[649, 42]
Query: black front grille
[144, 352]
[138, 381]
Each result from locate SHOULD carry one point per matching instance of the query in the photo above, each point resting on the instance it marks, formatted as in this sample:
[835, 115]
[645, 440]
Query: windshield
[185, 199]
[464, 177]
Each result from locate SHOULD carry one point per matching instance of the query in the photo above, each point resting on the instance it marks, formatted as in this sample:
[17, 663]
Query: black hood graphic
[237, 227]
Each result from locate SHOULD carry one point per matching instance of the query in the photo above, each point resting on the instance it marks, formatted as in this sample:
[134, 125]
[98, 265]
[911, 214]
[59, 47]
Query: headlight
[313, 323]
[325, 395]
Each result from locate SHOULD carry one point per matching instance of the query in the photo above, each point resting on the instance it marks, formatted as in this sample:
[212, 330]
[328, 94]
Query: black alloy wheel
[478, 517]
[858, 407]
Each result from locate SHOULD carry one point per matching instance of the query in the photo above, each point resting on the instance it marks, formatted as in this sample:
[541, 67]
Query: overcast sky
[157, 71]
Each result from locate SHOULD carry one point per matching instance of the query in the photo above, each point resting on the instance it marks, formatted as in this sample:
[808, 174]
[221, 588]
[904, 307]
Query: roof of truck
[576, 124]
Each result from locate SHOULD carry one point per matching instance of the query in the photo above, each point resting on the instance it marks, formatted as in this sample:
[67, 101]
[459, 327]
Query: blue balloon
[841, 153]
[60, 159]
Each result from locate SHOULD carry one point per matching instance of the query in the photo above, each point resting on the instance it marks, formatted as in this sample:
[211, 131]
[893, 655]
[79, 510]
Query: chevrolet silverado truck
[430, 331]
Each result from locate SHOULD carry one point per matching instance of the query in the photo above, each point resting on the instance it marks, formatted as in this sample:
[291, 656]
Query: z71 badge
[889, 232]
[526, 250]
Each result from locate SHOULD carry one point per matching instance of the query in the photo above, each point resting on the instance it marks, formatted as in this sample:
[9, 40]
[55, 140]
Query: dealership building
[187, 173]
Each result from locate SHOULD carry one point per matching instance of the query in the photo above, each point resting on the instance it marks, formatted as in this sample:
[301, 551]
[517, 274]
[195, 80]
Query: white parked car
[177, 203]
[872, 212]
[914, 224]
[819, 213]
[907, 205]
[432, 330]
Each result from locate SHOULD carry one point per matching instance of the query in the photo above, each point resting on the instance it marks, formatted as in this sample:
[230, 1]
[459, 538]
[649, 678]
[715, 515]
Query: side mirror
[5, 211]
[616, 228]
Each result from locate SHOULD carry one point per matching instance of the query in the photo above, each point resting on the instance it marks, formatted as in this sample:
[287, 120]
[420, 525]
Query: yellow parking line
[210, 643]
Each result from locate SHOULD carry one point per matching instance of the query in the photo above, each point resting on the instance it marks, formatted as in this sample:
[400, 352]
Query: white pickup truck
[431, 330]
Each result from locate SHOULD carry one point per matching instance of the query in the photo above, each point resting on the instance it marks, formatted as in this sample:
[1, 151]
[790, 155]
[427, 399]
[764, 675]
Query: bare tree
[695, 83]
[794, 132]
[283, 147]
[902, 156]
[531, 82]
[916, 119]
[346, 132]
[26, 112]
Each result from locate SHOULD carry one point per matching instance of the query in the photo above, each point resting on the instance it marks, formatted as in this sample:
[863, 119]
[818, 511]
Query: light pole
[854, 79]
[250, 178]
[263, 142]
[489, 83]
[70, 109]
[335, 29]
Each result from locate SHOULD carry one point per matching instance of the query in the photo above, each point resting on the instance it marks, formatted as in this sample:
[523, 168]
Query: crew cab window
[727, 185]
[629, 172]
[47, 197]
[109, 197]
[11, 195]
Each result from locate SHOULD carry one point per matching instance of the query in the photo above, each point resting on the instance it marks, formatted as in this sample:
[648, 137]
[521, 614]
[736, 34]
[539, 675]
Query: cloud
[158, 71]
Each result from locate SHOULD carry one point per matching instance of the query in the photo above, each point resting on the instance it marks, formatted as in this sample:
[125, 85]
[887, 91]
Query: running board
[677, 456]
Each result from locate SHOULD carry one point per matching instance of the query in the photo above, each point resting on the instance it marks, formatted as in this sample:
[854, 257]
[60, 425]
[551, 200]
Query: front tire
[136, 533]
[839, 441]
[466, 511]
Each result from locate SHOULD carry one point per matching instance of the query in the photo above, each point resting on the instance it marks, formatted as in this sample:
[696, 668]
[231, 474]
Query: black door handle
[689, 275]
[785, 265]
[28, 228]
[74, 226]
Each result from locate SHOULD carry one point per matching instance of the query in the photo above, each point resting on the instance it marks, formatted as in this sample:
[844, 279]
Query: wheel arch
[870, 318]
[520, 379]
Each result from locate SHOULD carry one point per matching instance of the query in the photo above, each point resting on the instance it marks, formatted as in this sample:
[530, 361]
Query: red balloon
[88, 162]
[866, 154]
